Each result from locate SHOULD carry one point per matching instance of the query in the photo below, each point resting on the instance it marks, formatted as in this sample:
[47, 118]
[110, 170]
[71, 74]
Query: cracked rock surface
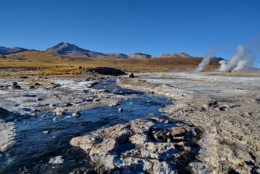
[154, 145]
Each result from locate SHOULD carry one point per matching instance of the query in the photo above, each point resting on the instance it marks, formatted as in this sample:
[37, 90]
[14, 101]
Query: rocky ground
[40, 115]
[52, 124]
[226, 108]
[36, 112]
[153, 145]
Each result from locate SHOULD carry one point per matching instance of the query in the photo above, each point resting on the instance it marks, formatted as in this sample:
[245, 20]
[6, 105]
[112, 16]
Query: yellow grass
[49, 64]
[63, 71]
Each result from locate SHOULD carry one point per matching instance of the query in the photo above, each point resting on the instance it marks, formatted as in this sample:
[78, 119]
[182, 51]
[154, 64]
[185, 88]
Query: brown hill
[35, 56]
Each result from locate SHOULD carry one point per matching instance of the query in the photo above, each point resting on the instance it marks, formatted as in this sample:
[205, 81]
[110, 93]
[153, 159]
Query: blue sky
[127, 26]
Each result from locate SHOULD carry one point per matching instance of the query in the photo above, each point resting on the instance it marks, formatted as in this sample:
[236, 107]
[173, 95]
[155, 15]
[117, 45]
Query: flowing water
[45, 136]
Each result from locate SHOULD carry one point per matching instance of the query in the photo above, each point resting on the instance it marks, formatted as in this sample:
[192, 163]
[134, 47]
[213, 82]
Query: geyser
[240, 60]
[205, 62]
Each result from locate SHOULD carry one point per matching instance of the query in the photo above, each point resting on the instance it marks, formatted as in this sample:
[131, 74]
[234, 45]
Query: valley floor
[211, 126]
[226, 108]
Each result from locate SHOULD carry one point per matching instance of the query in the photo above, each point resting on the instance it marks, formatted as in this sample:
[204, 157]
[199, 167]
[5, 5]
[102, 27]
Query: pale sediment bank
[227, 108]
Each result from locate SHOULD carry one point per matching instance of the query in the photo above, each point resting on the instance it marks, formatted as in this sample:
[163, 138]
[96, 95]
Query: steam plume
[239, 61]
[205, 62]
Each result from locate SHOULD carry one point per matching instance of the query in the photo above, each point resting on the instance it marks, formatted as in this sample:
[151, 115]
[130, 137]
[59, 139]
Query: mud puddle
[42, 142]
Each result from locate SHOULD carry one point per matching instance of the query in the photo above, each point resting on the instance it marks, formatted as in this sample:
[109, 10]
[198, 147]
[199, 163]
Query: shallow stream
[45, 136]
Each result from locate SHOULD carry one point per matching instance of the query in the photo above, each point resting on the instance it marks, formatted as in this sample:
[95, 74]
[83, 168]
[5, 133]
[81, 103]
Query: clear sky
[127, 26]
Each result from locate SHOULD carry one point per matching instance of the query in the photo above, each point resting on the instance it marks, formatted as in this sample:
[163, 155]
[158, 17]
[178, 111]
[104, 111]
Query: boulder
[4, 113]
[59, 111]
[135, 147]
[76, 114]
[131, 75]
[56, 160]
[7, 134]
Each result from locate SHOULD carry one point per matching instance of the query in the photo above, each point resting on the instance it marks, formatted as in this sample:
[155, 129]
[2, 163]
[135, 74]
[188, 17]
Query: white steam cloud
[205, 62]
[242, 59]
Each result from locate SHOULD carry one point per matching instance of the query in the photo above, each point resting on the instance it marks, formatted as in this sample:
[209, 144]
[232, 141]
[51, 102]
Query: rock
[53, 105]
[35, 110]
[7, 134]
[97, 99]
[40, 99]
[132, 147]
[89, 99]
[56, 160]
[76, 114]
[213, 104]
[45, 132]
[56, 86]
[112, 103]
[23, 77]
[59, 111]
[108, 71]
[222, 108]
[17, 87]
[131, 75]
[4, 113]
[9, 87]
[14, 86]
[101, 91]
[120, 110]
[163, 167]
[68, 104]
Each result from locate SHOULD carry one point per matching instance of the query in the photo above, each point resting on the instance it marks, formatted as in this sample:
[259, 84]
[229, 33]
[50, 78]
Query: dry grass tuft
[63, 71]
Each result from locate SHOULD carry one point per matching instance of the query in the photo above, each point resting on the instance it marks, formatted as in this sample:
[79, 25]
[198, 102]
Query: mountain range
[71, 50]
[5, 50]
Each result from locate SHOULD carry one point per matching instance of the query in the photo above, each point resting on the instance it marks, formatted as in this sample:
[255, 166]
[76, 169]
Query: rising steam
[205, 62]
[242, 59]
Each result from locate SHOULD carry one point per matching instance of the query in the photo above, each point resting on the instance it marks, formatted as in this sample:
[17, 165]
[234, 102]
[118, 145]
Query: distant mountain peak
[68, 49]
[175, 55]
[140, 55]
[5, 50]
[117, 55]
[218, 58]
